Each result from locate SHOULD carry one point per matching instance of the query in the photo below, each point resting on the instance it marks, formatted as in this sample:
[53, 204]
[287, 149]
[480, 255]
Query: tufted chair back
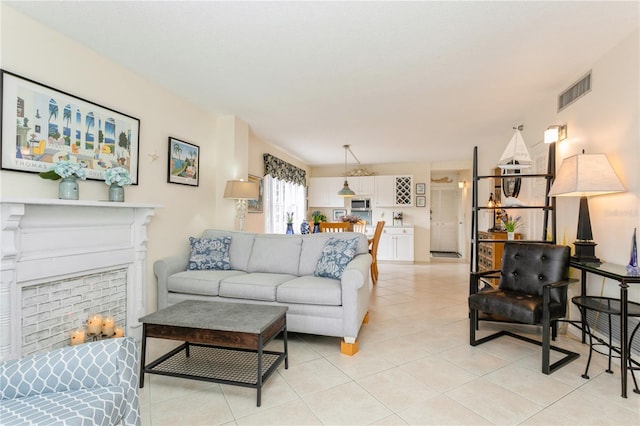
[527, 267]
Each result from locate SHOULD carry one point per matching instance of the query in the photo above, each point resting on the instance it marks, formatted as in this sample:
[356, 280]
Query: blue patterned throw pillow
[209, 253]
[336, 254]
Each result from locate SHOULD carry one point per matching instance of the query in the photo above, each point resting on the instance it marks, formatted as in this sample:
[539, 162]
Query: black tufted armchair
[532, 290]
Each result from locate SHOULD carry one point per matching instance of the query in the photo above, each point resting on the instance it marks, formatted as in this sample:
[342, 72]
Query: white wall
[228, 149]
[35, 52]
[606, 120]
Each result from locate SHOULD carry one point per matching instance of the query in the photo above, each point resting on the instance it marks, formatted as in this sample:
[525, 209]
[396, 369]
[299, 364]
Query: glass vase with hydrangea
[117, 178]
[69, 172]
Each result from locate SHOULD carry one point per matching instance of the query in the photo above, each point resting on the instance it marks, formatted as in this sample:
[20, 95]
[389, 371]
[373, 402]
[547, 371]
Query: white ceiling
[398, 81]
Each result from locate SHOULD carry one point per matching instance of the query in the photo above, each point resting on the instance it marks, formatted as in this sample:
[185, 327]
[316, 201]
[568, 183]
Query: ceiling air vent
[573, 93]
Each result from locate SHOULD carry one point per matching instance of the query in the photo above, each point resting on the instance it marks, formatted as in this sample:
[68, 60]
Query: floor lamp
[241, 191]
[585, 175]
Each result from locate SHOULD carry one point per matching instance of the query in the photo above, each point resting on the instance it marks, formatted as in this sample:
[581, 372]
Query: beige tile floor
[414, 367]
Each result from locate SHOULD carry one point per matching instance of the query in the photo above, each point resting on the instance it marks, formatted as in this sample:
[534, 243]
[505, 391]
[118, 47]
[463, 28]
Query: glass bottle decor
[116, 193]
[68, 189]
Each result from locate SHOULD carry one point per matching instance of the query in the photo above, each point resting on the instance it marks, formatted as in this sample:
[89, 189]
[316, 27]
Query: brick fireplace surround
[61, 260]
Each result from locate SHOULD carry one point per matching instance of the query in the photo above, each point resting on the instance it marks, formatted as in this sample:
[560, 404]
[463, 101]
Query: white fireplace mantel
[44, 240]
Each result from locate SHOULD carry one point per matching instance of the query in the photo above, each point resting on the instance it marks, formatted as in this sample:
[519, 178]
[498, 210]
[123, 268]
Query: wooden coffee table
[223, 342]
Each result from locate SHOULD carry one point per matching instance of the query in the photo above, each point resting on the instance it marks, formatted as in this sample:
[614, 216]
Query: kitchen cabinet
[323, 192]
[396, 244]
[363, 185]
[393, 191]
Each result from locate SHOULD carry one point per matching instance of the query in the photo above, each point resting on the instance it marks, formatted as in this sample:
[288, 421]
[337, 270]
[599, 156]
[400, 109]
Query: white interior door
[444, 219]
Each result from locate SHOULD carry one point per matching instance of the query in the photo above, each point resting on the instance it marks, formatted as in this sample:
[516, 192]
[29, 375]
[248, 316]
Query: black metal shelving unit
[549, 207]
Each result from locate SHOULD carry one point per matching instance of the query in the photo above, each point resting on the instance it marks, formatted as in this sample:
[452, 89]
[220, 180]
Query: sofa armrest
[163, 269]
[105, 363]
[357, 271]
[110, 362]
[355, 293]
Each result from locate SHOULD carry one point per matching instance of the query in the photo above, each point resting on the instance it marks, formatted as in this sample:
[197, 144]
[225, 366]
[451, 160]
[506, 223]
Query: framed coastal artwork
[255, 206]
[42, 126]
[184, 161]
[338, 213]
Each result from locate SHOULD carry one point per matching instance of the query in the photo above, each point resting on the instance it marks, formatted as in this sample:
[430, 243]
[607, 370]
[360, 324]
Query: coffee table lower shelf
[217, 364]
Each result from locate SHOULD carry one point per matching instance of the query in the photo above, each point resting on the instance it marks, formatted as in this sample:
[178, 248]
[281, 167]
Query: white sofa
[279, 269]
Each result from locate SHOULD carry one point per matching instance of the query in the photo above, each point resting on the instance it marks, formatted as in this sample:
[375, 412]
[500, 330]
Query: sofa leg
[349, 348]
[366, 318]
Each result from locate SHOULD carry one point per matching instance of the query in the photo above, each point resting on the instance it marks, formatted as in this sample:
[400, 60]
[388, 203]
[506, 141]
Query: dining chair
[360, 226]
[373, 250]
[334, 226]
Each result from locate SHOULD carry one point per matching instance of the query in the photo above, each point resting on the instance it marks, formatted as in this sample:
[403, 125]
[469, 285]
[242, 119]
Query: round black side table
[609, 307]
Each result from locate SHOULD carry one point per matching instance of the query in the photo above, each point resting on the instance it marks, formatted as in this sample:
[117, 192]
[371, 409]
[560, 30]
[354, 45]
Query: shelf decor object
[585, 175]
[516, 155]
[632, 267]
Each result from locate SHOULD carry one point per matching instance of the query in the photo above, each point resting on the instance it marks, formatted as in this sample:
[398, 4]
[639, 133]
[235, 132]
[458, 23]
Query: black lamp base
[585, 252]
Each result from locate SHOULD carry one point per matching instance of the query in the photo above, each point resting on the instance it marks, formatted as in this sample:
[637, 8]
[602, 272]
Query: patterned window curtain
[284, 192]
[284, 171]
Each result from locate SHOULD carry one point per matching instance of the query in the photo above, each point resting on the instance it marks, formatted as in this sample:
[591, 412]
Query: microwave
[360, 204]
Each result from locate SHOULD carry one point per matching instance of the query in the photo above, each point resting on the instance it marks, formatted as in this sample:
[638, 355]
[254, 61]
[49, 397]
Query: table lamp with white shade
[241, 191]
[585, 175]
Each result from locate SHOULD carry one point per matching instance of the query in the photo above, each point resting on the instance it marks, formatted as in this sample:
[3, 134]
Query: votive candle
[94, 324]
[77, 336]
[107, 326]
[119, 331]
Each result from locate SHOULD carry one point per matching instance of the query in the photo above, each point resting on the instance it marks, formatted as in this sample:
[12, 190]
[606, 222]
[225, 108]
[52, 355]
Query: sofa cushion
[199, 282]
[239, 249]
[96, 406]
[336, 255]
[310, 290]
[209, 253]
[313, 244]
[256, 286]
[277, 254]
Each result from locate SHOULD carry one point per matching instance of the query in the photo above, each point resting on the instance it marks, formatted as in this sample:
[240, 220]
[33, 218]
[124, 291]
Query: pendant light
[346, 192]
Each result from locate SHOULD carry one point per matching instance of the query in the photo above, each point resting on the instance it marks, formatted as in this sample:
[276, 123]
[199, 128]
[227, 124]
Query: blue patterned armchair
[91, 384]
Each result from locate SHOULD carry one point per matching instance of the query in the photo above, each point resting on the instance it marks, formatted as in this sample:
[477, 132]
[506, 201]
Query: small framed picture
[184, 160]
[421, 189]
[421, 201]
[255, 206]
[338, 213]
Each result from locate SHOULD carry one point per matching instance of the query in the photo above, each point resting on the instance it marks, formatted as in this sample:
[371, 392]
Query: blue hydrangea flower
[117, 175]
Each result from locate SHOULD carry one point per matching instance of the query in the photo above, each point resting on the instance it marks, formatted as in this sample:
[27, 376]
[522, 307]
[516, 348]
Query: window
[280, 198]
